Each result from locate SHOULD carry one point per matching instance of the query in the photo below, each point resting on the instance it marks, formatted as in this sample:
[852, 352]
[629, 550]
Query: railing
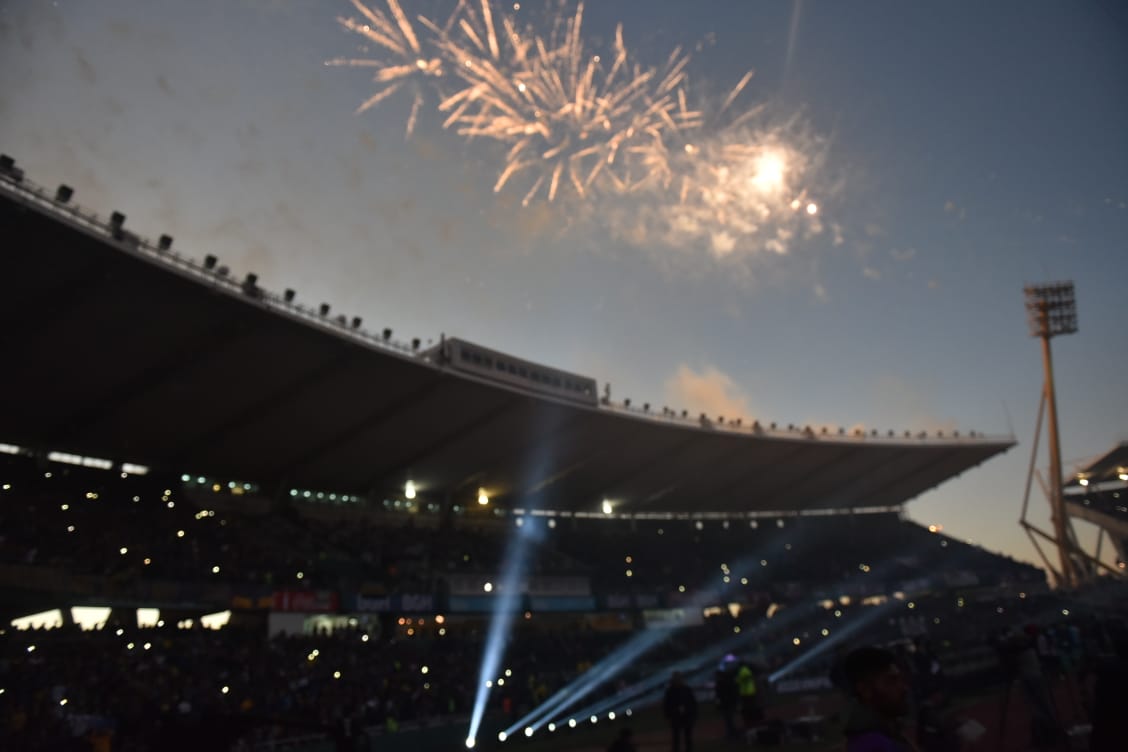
[129, 242]
[801, 433]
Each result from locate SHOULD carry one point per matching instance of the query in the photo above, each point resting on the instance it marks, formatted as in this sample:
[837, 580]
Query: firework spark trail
[560, 111]
[572, 124]
[407, 63]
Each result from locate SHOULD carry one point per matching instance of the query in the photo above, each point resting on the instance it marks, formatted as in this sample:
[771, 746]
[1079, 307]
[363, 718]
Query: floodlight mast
[1052, 311]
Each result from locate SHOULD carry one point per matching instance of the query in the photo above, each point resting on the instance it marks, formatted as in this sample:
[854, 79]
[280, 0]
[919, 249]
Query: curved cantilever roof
[115, 349]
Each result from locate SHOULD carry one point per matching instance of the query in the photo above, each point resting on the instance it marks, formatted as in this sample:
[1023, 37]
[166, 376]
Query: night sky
[958, 151]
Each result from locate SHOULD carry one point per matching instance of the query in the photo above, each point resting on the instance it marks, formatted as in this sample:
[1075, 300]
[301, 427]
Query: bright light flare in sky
[769, 177]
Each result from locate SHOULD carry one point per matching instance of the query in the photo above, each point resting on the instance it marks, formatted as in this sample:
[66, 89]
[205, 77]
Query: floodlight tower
[1052, 311]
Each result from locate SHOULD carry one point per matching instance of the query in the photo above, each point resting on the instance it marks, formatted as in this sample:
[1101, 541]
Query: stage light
[611, 716]
[1083, 481]
[483, 498]
[409, 490]
[551, 727]
[607, 507]
[502, 736]
[571, 723]
[488, 587]
[469, 742]
[528, 731]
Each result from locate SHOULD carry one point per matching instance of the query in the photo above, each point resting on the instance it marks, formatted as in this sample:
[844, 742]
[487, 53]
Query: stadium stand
[296, 541]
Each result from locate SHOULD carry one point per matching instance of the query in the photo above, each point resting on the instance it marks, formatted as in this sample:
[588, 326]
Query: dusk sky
[955, 151]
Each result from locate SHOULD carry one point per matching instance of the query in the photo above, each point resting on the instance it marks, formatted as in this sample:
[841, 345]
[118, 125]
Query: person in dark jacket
[879, 699]
[680, 708]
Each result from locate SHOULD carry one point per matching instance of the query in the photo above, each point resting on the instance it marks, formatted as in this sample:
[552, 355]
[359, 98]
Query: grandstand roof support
[193, 353]
[1072, 550]
[464, 429]
[640, 469]
[906, 472]
[263, 405]
[752, 471]
[790, 489]
[374, 418]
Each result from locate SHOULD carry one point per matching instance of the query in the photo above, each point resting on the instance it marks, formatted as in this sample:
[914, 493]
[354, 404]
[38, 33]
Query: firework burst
[567, 117]
[402, 61]
[569, 122]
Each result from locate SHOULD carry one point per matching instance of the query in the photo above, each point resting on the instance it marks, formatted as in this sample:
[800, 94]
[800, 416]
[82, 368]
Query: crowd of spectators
[92, 522]
[789, 579]
[148, 688]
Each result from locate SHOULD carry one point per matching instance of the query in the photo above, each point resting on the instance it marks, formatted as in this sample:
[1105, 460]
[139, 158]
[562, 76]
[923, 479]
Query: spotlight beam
[635, 647]
[507, 603]
[689, 664]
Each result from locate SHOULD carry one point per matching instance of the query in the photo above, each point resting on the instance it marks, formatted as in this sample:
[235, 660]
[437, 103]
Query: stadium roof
[1109, 468]
[115, 349]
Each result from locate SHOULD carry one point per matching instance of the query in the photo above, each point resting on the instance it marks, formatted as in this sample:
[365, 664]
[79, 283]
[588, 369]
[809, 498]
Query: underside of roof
[113, 348]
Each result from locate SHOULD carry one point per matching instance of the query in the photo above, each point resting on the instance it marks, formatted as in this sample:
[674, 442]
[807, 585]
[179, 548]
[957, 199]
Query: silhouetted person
[728, 695]
[879, 699]
[680, 707]
[624, 742]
